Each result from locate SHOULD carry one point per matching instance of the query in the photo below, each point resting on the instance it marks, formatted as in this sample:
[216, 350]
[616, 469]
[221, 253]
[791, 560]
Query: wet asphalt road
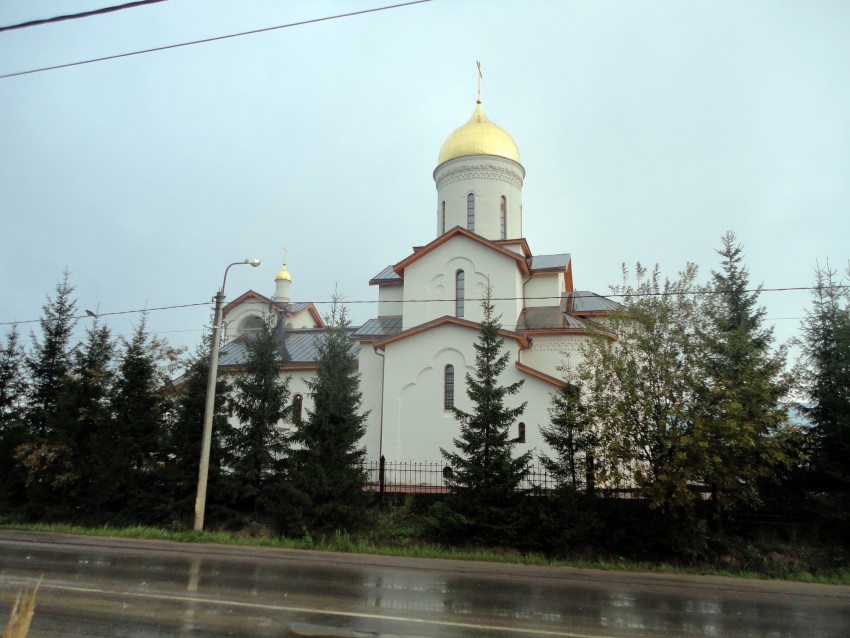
[119, 587]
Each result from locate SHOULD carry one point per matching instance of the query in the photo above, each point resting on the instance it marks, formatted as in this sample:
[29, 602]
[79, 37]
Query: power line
[468, 299]
[213, 39]
[74, 16]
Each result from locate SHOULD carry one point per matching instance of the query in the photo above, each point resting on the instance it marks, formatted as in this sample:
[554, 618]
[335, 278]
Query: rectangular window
[449, 393]
[460, 293]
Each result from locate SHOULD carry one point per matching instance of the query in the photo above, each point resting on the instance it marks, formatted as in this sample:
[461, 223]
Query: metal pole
[209, 410]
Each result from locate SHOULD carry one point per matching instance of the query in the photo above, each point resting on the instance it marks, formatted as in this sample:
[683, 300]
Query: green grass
[814, 565]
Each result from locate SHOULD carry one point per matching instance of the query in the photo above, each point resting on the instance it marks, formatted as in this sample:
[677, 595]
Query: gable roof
[289, 307]
[454, 232]
[301, 347]
[447, 320]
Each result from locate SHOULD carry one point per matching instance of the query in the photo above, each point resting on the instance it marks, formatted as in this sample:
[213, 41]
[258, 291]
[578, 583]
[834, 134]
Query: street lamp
[209, 408]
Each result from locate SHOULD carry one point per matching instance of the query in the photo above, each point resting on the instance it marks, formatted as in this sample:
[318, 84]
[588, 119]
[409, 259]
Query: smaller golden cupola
[282, 282]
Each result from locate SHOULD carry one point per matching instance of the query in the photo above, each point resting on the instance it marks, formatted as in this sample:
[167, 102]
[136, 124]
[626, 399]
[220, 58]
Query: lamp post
[209, 408]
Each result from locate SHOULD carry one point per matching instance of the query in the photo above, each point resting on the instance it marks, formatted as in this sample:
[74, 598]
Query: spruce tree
[742, 418]
[570, 435]
[13, 390]
[129, 453]
[825, 372]
[485, 478]
[45, 458]
[328, 474]
[257, 448]
[50, 358]
[83, 413]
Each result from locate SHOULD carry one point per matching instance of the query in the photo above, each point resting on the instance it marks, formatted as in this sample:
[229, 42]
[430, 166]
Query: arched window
[296, 407]
[251, 325]
[460, 292]
[503, 218]
[449, 388]
[443, 222]
[470, 211]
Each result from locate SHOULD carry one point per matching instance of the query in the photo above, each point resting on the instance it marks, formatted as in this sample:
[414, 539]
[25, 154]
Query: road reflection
[129, 590]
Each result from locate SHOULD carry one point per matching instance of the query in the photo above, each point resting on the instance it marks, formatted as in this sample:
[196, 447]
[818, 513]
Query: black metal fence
[430, 478]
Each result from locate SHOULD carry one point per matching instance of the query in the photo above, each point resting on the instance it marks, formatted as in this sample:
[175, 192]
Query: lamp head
[253, 262]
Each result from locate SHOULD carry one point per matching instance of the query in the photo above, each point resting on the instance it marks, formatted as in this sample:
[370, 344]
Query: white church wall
[243, 317]
[300, 320]
[550, 352]
[488, 178]
[415, 421]
[371, 377]
[433, 277]
[544, 289]
[390, 298]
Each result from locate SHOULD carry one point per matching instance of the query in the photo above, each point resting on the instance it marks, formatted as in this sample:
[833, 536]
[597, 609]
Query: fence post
[381, 466]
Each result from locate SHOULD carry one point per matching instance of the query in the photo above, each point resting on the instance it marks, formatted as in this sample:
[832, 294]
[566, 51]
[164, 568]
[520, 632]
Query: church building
[415, 355]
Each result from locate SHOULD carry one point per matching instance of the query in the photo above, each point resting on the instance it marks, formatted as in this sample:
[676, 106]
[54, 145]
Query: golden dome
[479, 136]
[283, 274]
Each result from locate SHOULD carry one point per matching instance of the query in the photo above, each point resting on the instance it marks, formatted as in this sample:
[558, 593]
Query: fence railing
[430, 478]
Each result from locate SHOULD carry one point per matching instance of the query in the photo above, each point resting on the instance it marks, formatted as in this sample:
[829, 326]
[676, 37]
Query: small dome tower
[282, 282]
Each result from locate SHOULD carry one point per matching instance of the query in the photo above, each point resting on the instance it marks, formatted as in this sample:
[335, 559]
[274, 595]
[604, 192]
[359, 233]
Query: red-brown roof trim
[454, 232]
[523, 341]
[540, 375]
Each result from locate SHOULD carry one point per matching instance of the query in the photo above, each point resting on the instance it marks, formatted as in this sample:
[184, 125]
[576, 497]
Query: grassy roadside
[783, 562]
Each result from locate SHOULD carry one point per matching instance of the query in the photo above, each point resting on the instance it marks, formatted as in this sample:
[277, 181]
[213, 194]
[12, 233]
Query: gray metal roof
[297, 306]
[580, 301]
[550, 262]
[548, 317]
[301, 346]
[380, 327]
[387, 275]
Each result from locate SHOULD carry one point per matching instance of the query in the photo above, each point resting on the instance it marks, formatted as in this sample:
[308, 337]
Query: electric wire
[215, 38]
[84, 14]
[574, 295]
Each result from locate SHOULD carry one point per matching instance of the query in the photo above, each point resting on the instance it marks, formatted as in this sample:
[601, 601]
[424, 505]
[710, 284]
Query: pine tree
[742, 418]
[258, 447]
[185, 431]
[328, 475]
[485, 476]
[569, 435]
[826, 377]
[13, 391]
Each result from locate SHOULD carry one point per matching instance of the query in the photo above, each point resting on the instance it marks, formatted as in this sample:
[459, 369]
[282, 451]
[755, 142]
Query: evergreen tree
[742, 419]
[13, 383]
[128, 454]
[45, 459]
[328, 475]
[569, 435]
[185, 431]
[258, 447]
[83, 412]
[484, 499]
[13, 391]
[826, 377]
[49, 360]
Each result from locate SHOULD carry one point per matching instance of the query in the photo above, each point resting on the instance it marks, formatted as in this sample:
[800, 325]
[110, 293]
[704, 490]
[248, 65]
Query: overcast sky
[647, 129]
